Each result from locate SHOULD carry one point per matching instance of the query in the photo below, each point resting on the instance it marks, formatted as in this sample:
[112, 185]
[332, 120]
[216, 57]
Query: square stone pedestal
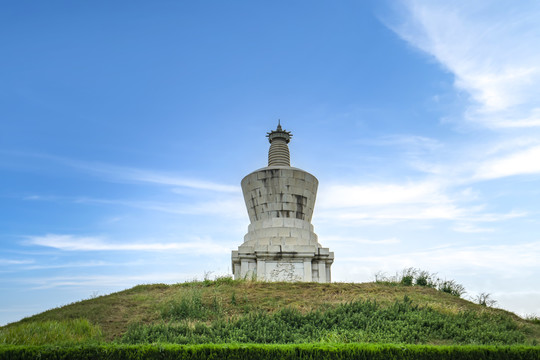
[283, 263]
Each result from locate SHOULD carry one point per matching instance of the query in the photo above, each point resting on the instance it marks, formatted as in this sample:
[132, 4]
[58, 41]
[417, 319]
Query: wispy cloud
[4, 262]
[490, 51]
[121, 173]
[231, 207]
[107, 281]
[89, 243]
[353, 240]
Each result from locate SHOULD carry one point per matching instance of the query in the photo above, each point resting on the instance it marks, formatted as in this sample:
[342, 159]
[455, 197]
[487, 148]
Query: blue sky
[127, 126]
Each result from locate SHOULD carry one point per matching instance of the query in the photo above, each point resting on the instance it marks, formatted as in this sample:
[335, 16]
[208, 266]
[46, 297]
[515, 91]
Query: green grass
[359, 321]
[65, 332]
[201, 306]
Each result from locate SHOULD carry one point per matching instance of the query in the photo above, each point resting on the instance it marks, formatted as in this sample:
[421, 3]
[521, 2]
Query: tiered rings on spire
[278, 155]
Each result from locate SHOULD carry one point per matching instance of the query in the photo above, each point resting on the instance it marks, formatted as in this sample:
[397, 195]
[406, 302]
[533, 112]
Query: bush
[451, 287]
[407, 276]
[424, 278]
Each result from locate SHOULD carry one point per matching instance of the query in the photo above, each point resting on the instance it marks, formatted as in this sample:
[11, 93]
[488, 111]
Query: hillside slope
[228, 300]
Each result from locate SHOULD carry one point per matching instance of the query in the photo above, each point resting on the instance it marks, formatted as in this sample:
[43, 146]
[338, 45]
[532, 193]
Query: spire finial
[278, 155]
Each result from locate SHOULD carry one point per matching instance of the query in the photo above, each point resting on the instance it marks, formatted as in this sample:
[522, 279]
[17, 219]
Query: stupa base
[283, 263]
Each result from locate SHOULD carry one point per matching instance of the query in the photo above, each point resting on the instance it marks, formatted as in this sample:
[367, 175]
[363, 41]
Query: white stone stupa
[280, 244]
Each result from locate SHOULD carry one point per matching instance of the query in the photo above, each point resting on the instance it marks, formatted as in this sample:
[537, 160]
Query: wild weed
[485, 299]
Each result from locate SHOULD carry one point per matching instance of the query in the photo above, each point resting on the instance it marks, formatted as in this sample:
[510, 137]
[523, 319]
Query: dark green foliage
[451, 287]
[359, 321]
[254, 352]
[426, 279]
[407, 276]
[407, 280]
[191, 306]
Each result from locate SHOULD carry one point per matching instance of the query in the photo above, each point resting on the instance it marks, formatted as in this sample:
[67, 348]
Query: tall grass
[192, 306]
[50, 332]
[359, 321]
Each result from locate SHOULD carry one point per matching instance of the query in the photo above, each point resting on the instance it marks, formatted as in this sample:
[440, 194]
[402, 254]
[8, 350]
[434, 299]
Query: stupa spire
[279, 155]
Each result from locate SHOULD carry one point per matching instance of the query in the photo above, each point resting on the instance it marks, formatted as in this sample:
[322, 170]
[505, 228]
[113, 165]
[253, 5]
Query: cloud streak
[4, 262]
[106, 281]
[231, 207]
[121, 173]
[88, 243]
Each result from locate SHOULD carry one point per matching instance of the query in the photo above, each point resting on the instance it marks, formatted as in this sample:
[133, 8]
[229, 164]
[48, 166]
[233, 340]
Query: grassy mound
[226, 310]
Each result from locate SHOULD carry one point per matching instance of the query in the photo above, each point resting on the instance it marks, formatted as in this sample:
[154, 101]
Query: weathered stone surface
[280, 244]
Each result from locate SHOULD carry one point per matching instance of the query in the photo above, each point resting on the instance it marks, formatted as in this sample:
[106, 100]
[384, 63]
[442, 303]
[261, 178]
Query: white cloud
[88, 243]
[490, 49]
[518, 163]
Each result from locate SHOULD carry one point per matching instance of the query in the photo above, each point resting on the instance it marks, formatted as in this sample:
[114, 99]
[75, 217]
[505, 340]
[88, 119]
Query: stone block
[283, 232]
[289, 222]
[287, 173]
[324, 251]
[274, 248]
